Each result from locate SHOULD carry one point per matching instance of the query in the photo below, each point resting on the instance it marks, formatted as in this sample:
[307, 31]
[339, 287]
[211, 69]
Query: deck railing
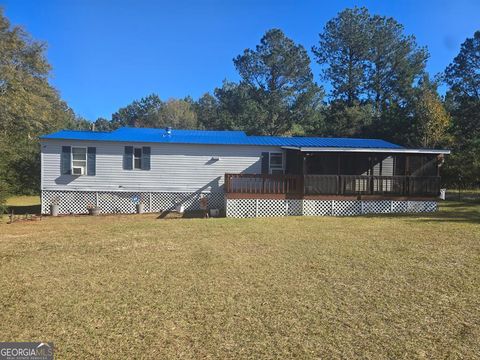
[263, 184]
[389, 185]
[332, 184]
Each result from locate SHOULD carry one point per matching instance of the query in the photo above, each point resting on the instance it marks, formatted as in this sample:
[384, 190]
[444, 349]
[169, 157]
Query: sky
[107, 53]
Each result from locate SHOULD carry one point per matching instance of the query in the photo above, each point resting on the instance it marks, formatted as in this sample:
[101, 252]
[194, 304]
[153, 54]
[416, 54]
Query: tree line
[373, 83]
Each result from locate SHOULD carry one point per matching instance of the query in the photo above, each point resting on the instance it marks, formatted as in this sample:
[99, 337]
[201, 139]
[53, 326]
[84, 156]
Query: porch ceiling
[368, 150]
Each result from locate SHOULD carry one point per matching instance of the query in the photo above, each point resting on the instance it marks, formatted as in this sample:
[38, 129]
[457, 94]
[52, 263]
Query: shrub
[3, 197]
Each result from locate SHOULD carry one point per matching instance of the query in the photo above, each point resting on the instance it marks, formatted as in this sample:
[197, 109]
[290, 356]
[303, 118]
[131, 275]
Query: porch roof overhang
[369, 150]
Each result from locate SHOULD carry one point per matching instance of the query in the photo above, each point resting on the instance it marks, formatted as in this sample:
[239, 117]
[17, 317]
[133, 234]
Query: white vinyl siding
[388, 166]
[174, 167]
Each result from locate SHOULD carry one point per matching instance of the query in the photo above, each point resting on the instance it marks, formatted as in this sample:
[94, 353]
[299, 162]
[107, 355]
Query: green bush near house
[3, 197]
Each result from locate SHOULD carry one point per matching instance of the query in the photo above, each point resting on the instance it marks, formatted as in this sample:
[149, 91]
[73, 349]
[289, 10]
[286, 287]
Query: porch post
[370, 181]
[338, 163]
[338, 176]
[304, 172]
[407, 177]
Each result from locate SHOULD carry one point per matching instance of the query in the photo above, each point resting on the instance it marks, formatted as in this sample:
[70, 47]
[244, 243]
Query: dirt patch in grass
[141, 287]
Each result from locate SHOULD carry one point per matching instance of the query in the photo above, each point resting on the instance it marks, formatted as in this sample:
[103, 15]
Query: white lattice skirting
[76, 202]
[243, 208]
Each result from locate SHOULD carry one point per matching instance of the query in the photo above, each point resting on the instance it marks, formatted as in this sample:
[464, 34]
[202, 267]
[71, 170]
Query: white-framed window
[79, 160]
[137, 158]
[276, 163]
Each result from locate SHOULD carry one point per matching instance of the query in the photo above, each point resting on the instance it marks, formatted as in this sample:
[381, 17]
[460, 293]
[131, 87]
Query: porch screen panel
[377, 165]
[324, 184]
[355, 164]
[294, 162]
[399, 165]
[414, 165]
[322, 164]
[265, 162]
[430, 165]
[385, 168]
[422, 165]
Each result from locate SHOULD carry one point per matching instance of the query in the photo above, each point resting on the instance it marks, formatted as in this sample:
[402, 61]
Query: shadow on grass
[449, 211]
[454, 211]
[192, 214]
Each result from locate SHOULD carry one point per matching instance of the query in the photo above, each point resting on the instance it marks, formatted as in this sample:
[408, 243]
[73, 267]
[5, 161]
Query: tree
[143, 112]
[29, 107]
[463, 101]
[373, 68]
[178, 114]
[236, 109]
[463, 74]
[348, 121]
[367, 58]
[80, 123]
[431, 119]
[463, 96]
[343, 52]
[279, 84]
[462, 167]
[3, 196]
[395, 63]
[151, 111]
[207, 110]
[102, 124]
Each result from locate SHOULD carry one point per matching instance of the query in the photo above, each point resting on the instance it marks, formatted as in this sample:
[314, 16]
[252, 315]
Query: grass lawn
[139, 287]
[23, 200]
[23, 204]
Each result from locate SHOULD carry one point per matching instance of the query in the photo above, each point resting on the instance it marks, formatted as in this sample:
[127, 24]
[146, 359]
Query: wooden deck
[331, 187]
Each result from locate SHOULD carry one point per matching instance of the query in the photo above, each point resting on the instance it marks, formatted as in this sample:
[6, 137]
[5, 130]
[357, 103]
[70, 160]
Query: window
[137, 158]
[276, 163]
[79, 161]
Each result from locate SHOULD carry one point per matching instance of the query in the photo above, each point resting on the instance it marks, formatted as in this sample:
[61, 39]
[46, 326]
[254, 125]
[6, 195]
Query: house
[246, 175]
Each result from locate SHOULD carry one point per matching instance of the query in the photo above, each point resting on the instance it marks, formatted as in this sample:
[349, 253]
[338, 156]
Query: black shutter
[91, 161]
[128, 158]
[66, 160]
[146, 158]
[265, 162]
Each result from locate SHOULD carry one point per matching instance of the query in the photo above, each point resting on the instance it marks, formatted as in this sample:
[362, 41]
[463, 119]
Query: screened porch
[342, 174]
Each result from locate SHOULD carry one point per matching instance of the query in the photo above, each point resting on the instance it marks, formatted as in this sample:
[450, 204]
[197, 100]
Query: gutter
[369, 150]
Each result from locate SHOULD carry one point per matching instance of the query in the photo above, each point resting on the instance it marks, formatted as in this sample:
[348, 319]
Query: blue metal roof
[215, 138]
